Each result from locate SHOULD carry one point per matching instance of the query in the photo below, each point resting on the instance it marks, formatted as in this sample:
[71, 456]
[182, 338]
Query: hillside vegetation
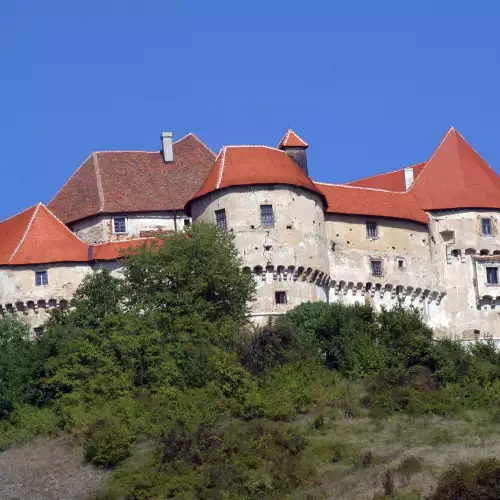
[160, 378]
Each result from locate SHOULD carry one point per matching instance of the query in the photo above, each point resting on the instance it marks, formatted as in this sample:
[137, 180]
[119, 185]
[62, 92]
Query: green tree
[191, 278]
[16, 357]
[166, 325]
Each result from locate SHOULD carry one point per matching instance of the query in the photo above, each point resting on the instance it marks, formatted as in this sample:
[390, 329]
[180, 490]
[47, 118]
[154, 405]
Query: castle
[427, 235]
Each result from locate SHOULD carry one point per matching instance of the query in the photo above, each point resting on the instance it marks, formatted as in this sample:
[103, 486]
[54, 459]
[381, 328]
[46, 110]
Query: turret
[295, 148]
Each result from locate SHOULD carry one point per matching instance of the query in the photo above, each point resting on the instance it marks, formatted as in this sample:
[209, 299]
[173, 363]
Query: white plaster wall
[99, 229]
[463, 279]
[297, 241]
[20, 295]
[431, 311]
[351, 251]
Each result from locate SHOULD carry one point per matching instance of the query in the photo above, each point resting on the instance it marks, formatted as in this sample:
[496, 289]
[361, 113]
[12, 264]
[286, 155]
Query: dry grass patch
[409, 452]
[47, 469]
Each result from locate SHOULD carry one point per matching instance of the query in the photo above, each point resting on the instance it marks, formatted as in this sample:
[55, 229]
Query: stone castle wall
[291, 256]
[100, 229]
[19, 293]
[438, 268]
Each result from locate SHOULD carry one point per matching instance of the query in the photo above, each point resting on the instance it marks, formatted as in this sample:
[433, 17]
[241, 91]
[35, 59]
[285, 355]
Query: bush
[267, 348]
[479, 481]
[107, 442]
[239, 460]
[26, 422]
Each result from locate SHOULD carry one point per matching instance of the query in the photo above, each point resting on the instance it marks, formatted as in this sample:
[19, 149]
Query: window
[119, 225]
[492, 275]
[220, 219]
[376, 267]
[41, 278]
[486, 226]
[371, 230]
[187, 222]
[280, 298]
[401, 263]
[266, 215]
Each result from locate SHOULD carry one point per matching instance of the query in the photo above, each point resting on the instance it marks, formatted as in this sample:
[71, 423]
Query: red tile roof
[253, 165]
[456, 177]
[375, 202]
[390, 181]
[114, 250]
[134, 181]
[36, 236]
[292, 140]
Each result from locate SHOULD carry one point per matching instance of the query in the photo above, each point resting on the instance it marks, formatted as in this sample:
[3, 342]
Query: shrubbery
[166, 355]
[479, 481]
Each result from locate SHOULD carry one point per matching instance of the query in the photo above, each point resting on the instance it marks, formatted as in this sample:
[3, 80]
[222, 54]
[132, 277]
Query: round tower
[276, 214]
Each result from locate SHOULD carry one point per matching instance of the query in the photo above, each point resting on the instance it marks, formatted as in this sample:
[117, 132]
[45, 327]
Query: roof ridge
[28, 226]
[197, 138]
[123, 241]
[298, 136]
[99, 182]
[385, 173]
[451, 129]
[18, 213]
[254, 146]
[126, 151]
[62, 223]
[360, 187]
[91, 155]
[221, 168]
[285, 137]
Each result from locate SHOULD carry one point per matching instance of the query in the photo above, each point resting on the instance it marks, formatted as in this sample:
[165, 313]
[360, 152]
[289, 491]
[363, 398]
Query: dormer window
[486, 227]
[41, 278]
[267, 215]
[119, 225]
[371, 230]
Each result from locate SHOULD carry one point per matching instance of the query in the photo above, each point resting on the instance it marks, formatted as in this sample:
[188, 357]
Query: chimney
[408, 177]
[166, 147]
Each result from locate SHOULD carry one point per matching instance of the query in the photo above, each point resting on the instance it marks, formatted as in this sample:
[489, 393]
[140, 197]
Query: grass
[412, 451]
[49, 469]
[355, 457]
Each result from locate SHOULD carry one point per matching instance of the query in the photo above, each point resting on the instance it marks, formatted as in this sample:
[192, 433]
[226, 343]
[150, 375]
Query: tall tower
[276, 214]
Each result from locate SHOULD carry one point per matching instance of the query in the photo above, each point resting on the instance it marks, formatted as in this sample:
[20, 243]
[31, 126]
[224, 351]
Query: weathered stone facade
[383, 240]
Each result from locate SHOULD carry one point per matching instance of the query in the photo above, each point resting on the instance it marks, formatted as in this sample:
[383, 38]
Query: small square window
[401, 263]
[280, 298]
[492, 275]
[220, 219]
[187, 222]
[266, 215]
[376, 267]
[119, 225]
[371, 230]
[41, 278]
[486, 226]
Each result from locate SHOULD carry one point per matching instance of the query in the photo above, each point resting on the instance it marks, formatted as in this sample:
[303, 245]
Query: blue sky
[372, 86]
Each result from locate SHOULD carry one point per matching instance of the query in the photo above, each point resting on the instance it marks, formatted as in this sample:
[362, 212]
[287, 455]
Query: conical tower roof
[456, 177]
[292, 140]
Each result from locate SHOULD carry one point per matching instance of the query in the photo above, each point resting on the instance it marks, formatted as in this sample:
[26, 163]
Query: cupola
[295, 148]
